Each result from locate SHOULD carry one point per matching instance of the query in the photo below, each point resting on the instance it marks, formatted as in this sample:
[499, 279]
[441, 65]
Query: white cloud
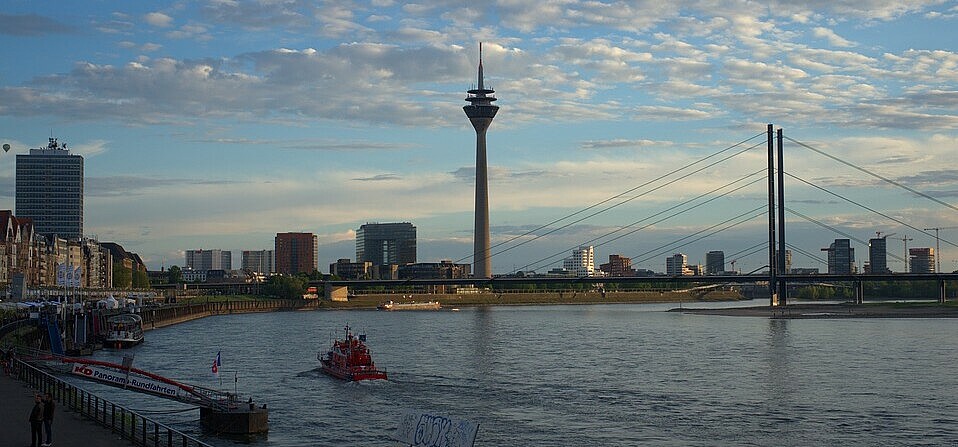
[158, 19]
[833, 39]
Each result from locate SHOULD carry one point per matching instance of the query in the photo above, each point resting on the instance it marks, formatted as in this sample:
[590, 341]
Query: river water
[605, 375]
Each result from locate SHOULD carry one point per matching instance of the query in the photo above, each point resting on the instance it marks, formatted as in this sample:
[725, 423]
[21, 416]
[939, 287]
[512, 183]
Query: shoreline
[833, 311]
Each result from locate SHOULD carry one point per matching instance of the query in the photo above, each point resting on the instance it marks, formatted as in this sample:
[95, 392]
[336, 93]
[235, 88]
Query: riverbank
[449, 300]
[841, 310]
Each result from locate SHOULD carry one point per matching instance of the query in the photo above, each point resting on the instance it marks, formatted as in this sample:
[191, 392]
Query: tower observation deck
[481, 112]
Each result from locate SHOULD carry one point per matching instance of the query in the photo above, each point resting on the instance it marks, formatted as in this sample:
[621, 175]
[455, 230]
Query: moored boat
[391, 305]
[123, 331]
[350, 359]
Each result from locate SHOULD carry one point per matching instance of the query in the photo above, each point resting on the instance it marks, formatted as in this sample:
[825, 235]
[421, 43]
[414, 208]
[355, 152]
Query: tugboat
[349, 360]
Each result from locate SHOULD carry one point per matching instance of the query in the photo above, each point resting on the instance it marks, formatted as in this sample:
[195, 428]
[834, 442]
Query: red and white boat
[350, 360]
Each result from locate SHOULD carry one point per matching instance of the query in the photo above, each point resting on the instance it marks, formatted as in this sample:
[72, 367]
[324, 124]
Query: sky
[217, 124]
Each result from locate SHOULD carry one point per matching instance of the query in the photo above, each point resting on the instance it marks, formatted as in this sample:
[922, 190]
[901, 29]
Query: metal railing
[139, 429]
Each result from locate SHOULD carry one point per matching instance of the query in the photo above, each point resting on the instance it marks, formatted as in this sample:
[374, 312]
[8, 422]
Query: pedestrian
[48, 407]
[36, 422]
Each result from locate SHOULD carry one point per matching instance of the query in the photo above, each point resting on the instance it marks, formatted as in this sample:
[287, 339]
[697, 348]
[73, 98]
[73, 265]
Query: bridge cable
[670, 246]
[563, 252]
[735, 255]
[870, 209]
[760, 248]
[807, 253]
[620, 195]
[890, 181]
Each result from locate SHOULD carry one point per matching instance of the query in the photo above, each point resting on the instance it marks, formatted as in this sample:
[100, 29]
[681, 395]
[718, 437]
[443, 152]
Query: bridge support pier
[942, 296]
[859, 292]
[242, 419]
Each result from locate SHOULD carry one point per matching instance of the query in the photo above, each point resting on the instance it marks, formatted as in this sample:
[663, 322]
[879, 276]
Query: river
[607, 375]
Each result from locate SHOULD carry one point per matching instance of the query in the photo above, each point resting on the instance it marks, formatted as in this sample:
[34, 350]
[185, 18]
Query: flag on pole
[216, 365]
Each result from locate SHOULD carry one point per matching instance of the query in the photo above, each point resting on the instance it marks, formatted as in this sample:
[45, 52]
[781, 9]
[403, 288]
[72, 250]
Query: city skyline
[220, 124]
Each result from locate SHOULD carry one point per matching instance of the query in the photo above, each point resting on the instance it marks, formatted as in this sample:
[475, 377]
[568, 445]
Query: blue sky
[216, 124]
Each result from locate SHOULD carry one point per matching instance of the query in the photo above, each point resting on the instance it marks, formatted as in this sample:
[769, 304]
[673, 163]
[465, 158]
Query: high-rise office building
[715, 262]
[921, 260]
[386, 243]
[841, 257]
[878, 255]
[677, 265]
[50, 190]
[481, 112]
[259, 261]
[618, 266]
[582, 261]
[214, 259]
[296, 253]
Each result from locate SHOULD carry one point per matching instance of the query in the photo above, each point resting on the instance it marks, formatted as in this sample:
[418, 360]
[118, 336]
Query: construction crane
[887, 235]
[905, 239]
[938, 246]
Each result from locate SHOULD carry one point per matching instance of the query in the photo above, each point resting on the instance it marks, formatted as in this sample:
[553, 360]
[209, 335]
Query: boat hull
[353, 374]
[391, 306]
[122, 343]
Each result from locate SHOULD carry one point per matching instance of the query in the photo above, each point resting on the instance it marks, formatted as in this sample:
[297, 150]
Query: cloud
[32, 25]
[378, 178]
[622, 143]
[131, 185]
[158, 19]
[833, 39]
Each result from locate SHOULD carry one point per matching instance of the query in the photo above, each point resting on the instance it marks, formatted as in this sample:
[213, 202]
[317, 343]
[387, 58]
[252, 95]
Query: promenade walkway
[69, 428]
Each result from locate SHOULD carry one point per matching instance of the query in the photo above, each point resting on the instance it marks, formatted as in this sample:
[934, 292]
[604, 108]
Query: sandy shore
[821, 311]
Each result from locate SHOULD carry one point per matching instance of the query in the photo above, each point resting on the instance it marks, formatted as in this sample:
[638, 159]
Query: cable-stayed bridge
[774, 244]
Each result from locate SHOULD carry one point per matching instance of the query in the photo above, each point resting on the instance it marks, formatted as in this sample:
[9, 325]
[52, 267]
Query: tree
[122, 276]
[175, 275]
[141, 280]
[288, 287]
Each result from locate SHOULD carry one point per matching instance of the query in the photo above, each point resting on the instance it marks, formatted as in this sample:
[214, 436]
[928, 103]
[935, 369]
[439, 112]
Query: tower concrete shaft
[481, 112]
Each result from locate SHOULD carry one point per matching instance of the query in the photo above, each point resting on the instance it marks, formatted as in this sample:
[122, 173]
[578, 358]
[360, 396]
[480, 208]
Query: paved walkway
[69, 428]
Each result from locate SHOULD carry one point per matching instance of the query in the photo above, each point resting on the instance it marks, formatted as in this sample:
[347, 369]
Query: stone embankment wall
[529, 298]
[161, 316]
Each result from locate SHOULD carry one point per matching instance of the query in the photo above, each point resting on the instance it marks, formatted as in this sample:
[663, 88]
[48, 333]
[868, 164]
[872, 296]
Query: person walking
[48, 407]
[36, 422]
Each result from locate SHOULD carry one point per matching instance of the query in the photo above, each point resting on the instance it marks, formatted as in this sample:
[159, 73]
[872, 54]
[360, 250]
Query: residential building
[20, 252]
[921, 260]
[677, 265]
[878, 255]
[582, 261]
[214, 259]
[841, 257]
[49, 190]
[386, 243]
[715, 262]
[618, 266]
[296, 253]
[121, 257]
[259, 261]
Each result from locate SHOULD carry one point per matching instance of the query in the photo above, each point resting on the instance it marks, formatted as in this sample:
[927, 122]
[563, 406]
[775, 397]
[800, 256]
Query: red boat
[349, 359]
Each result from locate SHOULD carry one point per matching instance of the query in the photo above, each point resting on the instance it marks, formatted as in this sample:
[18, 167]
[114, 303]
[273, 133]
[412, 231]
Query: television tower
[481, 112]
